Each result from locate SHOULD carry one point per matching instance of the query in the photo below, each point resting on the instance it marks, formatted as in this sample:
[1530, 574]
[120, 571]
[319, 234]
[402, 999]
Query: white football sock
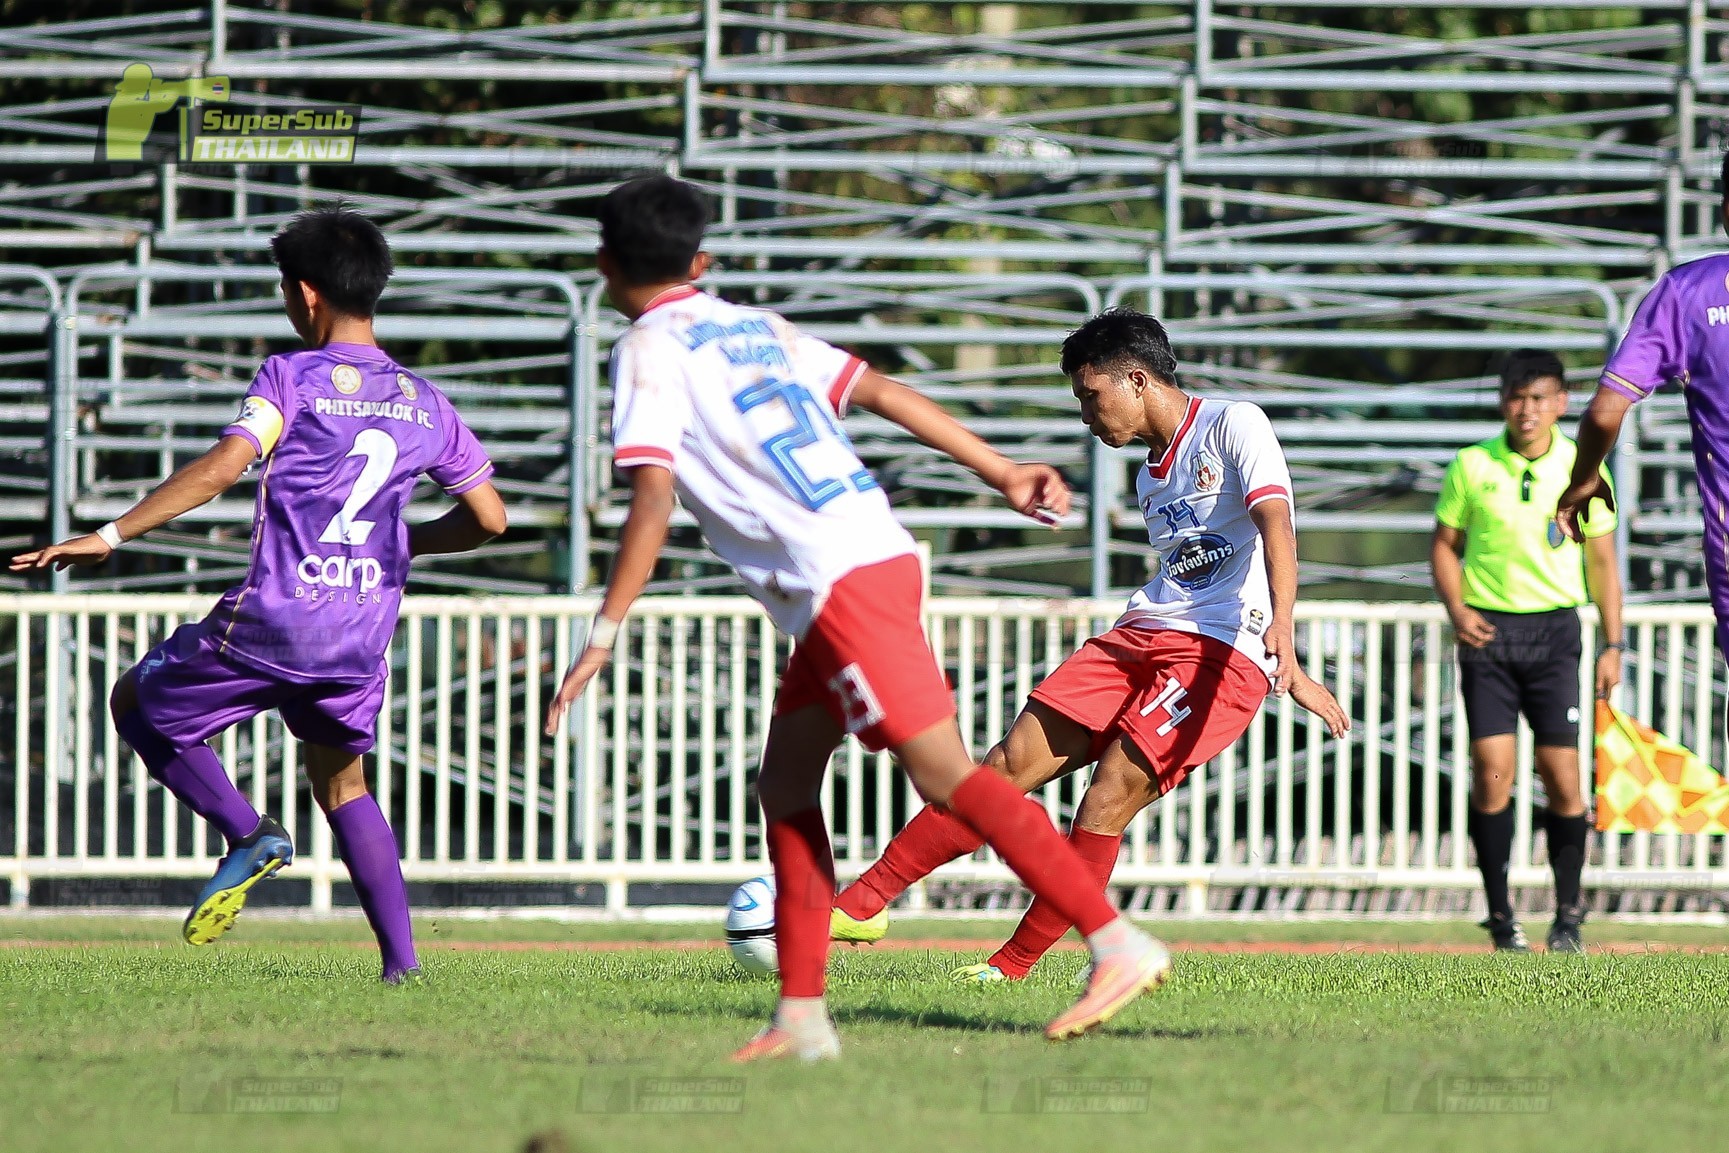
[1117, 937]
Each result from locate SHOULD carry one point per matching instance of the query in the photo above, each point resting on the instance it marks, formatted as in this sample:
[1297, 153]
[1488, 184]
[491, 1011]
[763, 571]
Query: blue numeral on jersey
[812, 492]
[1177, 514]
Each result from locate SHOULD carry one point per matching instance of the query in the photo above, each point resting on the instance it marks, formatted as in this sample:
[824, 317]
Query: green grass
[1254, 1052]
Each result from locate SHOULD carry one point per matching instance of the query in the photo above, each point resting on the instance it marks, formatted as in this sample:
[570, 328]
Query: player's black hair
[340, 253]
[1723, 178]
[1117, 337]
[652, 228]
[1528, 364]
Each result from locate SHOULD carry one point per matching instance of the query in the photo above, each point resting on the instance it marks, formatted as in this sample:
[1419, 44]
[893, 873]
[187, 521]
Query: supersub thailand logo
[1197, 561]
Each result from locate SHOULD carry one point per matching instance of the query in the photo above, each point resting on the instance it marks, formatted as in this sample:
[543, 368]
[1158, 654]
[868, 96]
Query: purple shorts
[189, 692]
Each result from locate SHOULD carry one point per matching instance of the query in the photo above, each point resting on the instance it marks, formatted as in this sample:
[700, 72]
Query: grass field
[112, 1036]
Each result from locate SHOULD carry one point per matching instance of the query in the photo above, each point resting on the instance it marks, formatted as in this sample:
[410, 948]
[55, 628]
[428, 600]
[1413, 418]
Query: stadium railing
[142, 364]
[649, 779]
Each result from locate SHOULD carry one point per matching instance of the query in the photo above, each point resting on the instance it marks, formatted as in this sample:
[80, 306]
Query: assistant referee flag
[1649, 783]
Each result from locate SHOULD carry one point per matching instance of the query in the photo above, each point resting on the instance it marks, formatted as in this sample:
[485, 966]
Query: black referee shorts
[1531, 667]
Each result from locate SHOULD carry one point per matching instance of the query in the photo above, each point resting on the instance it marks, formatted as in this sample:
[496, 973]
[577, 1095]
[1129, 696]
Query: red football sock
[803, 895]
[1023, 836]
[1043, 926]
[930, 840]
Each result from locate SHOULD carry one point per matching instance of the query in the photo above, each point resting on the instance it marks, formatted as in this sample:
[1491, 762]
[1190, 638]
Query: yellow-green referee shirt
[1516, 560]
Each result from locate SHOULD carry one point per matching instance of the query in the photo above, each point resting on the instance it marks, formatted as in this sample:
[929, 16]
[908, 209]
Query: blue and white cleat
[247, 863]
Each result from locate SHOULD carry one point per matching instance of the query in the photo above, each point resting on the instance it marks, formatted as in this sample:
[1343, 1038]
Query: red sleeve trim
[633, 456]
[840, 392]
[1266, 492]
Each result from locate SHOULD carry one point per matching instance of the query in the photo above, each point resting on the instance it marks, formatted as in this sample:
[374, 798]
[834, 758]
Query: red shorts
[1180, 697]
[865, 658]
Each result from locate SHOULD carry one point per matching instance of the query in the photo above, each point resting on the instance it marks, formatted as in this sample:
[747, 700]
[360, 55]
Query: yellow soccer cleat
[984, 973]
[266, 850]
[866, 932]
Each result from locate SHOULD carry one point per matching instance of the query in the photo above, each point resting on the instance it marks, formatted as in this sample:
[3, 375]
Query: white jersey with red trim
[1210, 565]
[742, 407]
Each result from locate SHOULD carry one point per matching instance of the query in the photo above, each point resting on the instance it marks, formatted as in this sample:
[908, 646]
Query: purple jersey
[1680, 332]
[344, 433]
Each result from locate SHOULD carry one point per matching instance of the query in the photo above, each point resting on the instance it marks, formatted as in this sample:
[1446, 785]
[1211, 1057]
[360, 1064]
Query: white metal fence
[651, 779]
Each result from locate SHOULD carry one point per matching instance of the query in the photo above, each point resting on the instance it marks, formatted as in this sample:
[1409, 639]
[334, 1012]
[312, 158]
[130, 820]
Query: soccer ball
[750, 926]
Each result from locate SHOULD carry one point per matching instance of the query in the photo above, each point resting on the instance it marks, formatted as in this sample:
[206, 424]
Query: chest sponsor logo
[409, 392]
[1197, 561]
[362, 573]
[1209, 473]
[346, 378]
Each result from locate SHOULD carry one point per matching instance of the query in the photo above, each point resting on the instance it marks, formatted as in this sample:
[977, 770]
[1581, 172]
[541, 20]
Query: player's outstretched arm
[197, 483]
[1279, 536]
[639, 545]
[1598, 429]
[1037, 490]
[478, 517]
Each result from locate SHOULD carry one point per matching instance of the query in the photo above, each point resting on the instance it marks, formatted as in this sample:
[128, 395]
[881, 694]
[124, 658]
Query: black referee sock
[1567, 839]
[1492, 833]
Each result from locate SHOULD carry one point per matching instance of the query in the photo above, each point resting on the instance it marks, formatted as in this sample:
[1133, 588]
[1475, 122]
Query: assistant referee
[1512, 584]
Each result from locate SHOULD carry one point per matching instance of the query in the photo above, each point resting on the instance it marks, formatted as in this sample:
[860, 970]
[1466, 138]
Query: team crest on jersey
[346, 378]
[1198, 560]
[1209, 473]
[409, 392]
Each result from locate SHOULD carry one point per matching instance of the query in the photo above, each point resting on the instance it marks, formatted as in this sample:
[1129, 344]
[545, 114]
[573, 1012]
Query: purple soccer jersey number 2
[330, 550]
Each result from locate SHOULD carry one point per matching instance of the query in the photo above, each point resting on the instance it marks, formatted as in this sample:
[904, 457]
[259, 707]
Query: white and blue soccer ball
[750, 927]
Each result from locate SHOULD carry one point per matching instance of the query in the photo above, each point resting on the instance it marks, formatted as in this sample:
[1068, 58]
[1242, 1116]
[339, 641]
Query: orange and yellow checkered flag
[1648, 783]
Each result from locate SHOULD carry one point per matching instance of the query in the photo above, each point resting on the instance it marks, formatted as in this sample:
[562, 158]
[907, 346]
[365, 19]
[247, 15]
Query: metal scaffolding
[1343, 223]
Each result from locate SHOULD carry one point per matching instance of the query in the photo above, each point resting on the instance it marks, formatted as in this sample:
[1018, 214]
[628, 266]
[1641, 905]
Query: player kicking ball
[737, 411]
[343, 432]
[1183, 672]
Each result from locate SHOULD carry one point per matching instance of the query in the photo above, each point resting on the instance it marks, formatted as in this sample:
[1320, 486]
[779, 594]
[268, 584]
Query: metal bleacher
[1345, 223]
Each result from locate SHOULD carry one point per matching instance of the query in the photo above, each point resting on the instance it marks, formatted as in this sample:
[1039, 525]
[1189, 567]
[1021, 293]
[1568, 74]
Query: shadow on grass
[964, 1023]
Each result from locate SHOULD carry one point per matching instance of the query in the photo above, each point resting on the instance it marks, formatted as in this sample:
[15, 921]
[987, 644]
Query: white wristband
[602, 632]
[109, 535]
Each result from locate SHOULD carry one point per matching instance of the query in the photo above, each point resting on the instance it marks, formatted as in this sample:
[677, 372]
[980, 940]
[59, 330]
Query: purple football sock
[368, 848]
[195, 776]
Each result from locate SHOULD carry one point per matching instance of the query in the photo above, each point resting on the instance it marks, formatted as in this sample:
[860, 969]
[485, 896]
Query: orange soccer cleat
[774, 1043]
[1117, 978]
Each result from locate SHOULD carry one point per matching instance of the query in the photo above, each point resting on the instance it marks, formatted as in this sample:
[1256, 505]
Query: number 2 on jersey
[812, 492]
[379, 449]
